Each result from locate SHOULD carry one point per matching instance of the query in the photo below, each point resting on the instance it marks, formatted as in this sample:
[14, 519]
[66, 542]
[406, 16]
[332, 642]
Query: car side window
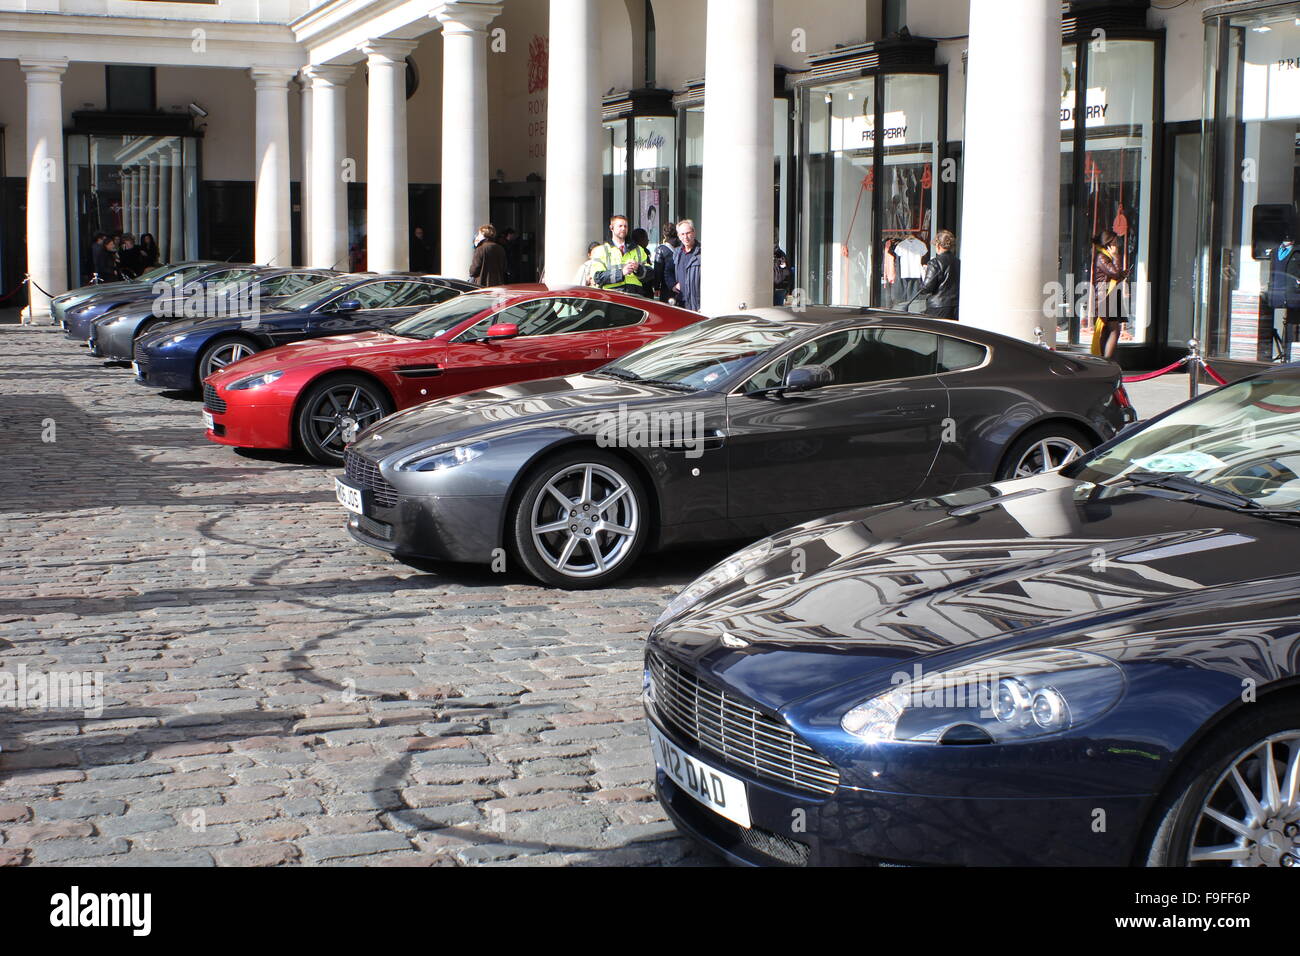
[858, 356]
[529, 317]
[374, 295]
[957, 354]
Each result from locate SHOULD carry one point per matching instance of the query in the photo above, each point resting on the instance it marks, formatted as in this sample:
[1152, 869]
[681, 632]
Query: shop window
[1251, 307]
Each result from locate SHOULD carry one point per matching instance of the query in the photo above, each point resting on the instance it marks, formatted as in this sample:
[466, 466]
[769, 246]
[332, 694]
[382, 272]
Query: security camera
[198, 111]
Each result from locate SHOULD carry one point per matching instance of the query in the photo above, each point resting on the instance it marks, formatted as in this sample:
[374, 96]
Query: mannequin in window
[1107, 290]
[1283, 290]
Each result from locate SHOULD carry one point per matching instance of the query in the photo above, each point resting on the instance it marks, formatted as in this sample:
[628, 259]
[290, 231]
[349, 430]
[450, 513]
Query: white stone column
[272, 236]
[47, 231]
[151, 209]
[164, 198]
[464, 129]
[329, 193]
[573, 165]
[736, 264]
[387, 205]
[1012, 83]
[175, 250]
[304, 183]
[128, 213]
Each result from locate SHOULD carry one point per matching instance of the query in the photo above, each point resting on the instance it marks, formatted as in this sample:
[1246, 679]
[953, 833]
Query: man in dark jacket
[489, 264]
[942, 278]
[686, 264]
[665, 271]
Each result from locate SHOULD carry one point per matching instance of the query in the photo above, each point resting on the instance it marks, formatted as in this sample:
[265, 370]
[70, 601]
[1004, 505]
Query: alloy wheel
[1251, 816]
[227, 354]
[1047, 455]
[585, 520]
[340, 412]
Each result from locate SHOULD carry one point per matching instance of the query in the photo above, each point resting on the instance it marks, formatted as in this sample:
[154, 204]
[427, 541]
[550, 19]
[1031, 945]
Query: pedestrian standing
[782, 275]
[149, 250]
[1107, 291]
[130, 259]
[665, 271]
[590, 268]
[421, 257]
[101, 258]
[624, 266]
[686, 263]
[488, 266]
[942, 278]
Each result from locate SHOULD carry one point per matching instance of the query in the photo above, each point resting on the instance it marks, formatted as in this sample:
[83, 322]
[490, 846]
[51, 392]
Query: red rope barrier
[1218, 379]
[1129, 379]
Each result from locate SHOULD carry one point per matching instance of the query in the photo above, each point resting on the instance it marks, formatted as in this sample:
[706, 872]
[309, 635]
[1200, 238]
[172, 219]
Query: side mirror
[505, 330]
[806, 378]
[347, 305]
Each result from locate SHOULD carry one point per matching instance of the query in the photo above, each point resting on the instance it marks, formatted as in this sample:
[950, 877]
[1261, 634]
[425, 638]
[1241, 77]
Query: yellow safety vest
[611, 258]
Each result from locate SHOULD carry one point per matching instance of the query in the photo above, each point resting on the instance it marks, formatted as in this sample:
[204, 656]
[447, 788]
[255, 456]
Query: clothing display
[910, 252]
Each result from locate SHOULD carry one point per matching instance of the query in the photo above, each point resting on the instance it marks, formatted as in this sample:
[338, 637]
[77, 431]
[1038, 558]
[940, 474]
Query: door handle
[916, 407]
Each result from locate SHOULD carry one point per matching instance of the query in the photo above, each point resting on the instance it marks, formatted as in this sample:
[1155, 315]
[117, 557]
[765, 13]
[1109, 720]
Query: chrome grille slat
[366, 474]
[736, 732]
[212, 401]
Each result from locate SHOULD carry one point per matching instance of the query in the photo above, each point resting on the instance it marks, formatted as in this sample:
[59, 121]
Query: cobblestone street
[275, 692]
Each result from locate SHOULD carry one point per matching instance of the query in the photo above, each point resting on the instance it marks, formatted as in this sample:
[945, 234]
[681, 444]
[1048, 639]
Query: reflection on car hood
[573, 402]
[880, 589]
[330, 350]
[220, 323]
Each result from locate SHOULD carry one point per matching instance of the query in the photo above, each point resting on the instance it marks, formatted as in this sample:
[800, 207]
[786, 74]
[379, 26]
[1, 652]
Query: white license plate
[720, 792]
[348, 497]
[208, 423]
[135, 369]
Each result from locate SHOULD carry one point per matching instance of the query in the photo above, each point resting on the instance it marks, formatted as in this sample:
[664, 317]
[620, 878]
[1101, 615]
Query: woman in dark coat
[149, 250]
[488, 266]
[1107, 288]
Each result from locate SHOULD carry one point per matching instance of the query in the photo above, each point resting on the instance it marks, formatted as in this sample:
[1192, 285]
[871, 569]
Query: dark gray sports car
[727, 430]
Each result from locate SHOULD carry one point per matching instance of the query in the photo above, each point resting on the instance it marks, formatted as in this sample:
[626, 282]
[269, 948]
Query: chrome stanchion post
[1194, 362]
[1039, 339]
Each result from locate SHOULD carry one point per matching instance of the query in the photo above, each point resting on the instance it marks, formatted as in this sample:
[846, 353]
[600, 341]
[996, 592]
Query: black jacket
[941, 280]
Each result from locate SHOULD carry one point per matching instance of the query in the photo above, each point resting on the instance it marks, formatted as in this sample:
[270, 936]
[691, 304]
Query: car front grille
[141, 358]
[373, 528]
[364, 473]
[212, 401]
[720, 724]
[783, 849]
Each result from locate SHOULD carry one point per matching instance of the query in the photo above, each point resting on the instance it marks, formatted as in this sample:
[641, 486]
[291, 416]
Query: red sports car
[317, 395]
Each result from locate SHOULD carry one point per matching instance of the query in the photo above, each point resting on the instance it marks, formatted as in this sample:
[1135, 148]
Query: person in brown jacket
[1107, 281]
[489, 264]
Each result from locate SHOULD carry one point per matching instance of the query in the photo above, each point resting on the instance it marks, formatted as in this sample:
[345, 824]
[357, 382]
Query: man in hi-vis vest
[624, 266]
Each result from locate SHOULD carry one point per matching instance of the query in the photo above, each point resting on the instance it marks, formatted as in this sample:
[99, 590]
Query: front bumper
[859, 827]
[159, 368]
[116, 340]
[79, 326]
[461, 530]
[251, 425]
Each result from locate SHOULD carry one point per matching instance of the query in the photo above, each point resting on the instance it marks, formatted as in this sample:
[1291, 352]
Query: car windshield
[438, 320]
[314, 293]
[157, 272]
[704, 354]
[1240, 442]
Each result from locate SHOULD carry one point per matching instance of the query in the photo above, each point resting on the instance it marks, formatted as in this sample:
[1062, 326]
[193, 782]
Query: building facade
[287, 131]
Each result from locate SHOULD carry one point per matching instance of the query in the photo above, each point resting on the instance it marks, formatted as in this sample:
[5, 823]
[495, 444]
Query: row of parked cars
[980, 615]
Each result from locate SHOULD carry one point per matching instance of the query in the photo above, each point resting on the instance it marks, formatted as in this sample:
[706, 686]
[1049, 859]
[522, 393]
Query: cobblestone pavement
[275, 692]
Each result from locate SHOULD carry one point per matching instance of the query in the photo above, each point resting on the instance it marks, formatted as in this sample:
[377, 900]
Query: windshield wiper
[613, 371]
[1190, 486]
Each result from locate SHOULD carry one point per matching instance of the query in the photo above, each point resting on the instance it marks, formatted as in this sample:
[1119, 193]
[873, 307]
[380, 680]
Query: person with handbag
[1107, 292]
[942, 278]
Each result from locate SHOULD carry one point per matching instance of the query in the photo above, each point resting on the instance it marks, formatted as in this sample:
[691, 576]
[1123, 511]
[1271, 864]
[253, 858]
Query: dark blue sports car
[78, 319]
[1097, 666]
[239, 294]
[184, 353]
[60, 305]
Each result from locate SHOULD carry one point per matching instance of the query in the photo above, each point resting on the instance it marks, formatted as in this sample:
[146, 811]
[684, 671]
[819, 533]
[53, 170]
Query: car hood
[328, 350]
[1040, 561]
[572, 402]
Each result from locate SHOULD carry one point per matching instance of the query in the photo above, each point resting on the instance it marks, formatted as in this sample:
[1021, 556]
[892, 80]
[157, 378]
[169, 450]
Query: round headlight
[1050, 709]
[1013, 700]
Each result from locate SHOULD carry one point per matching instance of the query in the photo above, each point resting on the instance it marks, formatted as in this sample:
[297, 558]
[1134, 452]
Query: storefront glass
[135, 185]
[615, 163]
[848, 257]
[839, 126]
[654, 166]
[1250, 308]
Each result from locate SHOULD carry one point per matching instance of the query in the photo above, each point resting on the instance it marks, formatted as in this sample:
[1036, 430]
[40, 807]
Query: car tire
[1185, 835]
[224, 351]
[583, 554]
[1060, 442]
[343, 399]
